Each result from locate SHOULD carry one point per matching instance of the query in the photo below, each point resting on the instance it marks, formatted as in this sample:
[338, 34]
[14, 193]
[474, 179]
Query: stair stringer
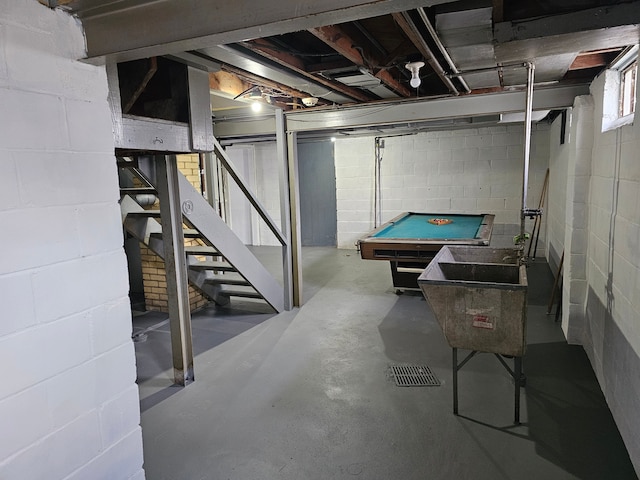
[200, 215]
[143, 228]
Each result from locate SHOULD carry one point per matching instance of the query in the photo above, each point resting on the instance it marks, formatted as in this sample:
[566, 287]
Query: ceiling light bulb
[414, 68]
[256, 106]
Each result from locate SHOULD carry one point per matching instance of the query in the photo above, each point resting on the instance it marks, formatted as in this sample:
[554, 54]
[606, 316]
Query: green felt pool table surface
[417, 225]
[410, 236]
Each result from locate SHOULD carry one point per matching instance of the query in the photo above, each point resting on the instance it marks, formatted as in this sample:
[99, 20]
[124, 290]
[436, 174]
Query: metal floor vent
[414, 376]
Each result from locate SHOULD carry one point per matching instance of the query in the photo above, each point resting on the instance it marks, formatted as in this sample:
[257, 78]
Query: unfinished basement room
[319, 240]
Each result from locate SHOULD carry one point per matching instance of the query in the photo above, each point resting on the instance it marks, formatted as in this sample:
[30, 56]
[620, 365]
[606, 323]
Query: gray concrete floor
[307, 394]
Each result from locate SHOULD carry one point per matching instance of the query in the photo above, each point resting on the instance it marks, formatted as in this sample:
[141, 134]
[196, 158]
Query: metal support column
[200, 124]
[114, 103]
[285, 208]
[296, 236]
[176, 269]
[211, 179]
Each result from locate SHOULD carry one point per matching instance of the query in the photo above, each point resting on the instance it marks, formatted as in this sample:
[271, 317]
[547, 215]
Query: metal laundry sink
[479, 297]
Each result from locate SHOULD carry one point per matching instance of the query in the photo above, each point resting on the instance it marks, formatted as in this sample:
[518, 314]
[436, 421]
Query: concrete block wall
[601, 278]
[154, 277]
[475, 170]
[69, 403]
[612, 331]
[555, 211]
[574, 284]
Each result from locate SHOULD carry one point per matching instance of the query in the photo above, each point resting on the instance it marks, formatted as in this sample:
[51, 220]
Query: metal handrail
[226, 163]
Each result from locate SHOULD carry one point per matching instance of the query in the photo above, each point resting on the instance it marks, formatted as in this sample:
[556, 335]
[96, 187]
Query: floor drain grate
[414, 376]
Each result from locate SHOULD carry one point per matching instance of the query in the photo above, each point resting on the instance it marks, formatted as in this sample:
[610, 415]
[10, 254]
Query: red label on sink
[482, 321]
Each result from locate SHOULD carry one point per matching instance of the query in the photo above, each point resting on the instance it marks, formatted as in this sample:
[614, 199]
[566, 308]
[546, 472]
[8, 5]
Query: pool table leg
[406, 279]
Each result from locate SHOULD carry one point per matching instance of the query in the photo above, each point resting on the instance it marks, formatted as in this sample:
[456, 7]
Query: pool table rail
[409, 256]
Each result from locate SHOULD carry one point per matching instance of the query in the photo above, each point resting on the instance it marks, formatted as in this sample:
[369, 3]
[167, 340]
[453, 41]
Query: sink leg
[455, 381]
[517, 382]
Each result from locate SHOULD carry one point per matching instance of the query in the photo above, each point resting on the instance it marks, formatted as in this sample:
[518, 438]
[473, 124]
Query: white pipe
[527, 145]
[441, 47]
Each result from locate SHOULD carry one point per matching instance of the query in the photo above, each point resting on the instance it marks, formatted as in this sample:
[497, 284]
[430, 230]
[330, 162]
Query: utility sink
[479, 297]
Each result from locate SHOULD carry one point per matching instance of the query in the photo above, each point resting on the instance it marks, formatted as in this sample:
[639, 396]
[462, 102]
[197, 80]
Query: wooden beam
[228, 83]
[342, 43]
[258, 80]
[498, 11]
[266, 49]
[590, 60]
[151, 71]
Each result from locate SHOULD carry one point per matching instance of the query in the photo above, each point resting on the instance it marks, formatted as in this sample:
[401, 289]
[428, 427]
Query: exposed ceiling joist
[562, 24]
[593, 59]
[591, 29]
[268, 50]
[245, 61]
[257, 80]
[342, 43]
[178, 26]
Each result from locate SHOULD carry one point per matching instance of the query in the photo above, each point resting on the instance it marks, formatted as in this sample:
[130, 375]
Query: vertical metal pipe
[201, 160]
[285, 208]
[176, 269]
[527, 146]
[517, 377]
[210, 179]
[296, 234]
[455, 381]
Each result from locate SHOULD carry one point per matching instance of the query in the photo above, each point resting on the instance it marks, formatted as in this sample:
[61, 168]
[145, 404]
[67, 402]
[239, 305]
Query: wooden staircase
[221, 267]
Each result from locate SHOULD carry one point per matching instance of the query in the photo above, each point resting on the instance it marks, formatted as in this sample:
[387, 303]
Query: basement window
[628, 89]
[620, 90]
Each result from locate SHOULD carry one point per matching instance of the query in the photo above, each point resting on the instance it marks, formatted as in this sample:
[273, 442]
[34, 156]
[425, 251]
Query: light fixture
[256, 106]
[255, 94]
[414, 68]
[310, 101]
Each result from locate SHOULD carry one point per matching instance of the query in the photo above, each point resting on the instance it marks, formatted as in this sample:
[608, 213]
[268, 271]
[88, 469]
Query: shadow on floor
[563, 409]
[211, 326]
[569, 419]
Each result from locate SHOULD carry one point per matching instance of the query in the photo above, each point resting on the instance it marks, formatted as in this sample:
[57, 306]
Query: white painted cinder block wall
[68, 399]
[475, 170]
[555, 210]
[612, 330]
[601, 278]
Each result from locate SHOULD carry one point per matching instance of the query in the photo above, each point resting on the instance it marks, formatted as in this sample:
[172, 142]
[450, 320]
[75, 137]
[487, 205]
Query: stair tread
[201, 250]
[228, 279]
[187, 233]
[135, 190]
[145, 213]
[232, 292]
[210, 265]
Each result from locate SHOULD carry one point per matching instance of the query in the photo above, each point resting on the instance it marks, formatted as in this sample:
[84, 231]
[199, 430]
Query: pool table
[410, 240]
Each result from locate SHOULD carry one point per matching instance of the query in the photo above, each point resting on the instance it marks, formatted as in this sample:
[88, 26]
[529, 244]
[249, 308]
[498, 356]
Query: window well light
[414, 68]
